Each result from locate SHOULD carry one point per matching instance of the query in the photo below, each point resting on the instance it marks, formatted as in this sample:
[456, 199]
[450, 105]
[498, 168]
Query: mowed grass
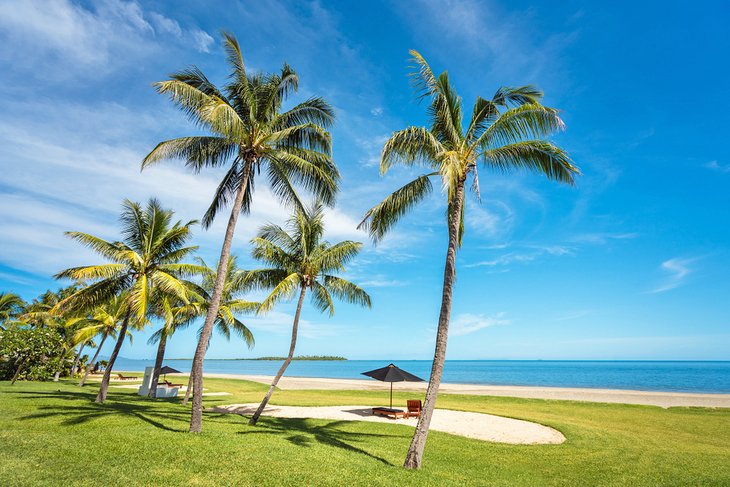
[54, 434]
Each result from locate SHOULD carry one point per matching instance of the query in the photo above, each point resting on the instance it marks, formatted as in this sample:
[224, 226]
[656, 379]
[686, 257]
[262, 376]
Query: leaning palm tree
[249, 133]
[148, 259]
[230, 307]
[300, 260]
[505, 133]
[11, 305]
[104, 322]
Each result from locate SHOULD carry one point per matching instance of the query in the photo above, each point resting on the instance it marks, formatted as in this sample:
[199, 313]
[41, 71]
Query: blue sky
[629, 264]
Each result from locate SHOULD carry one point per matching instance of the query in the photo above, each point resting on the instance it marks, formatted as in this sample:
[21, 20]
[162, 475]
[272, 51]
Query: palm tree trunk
[158, 364]
[93, 361]
[18, 370]
[196, 374]
[286, 363]
[101, 397]
[189, 389]
[77, 359]
[418, 443]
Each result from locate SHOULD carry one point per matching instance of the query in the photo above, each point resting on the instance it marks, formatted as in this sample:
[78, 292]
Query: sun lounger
[389, 412]
[126, 377]
[414, 408]
[170, 384]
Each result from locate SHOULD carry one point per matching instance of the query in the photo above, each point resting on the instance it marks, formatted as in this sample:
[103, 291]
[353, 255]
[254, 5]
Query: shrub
[36, 353]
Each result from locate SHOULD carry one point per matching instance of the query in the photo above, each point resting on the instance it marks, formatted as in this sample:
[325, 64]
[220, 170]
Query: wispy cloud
[600, 238]
[529, 254]
[678, 270]
[716, 166]
[59, 34]
[466, 323]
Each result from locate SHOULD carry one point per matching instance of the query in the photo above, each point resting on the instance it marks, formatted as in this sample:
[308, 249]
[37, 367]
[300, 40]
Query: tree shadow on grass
[302, 433]
[155, 412]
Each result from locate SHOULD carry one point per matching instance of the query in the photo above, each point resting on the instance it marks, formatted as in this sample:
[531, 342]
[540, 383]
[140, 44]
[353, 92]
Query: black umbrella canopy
[168, 370]
[391, 374]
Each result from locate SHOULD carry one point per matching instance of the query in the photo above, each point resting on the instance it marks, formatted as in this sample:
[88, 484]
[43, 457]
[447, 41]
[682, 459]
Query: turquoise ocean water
[685, 376]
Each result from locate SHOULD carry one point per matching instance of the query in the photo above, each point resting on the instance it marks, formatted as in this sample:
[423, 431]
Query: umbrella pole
[391, 395]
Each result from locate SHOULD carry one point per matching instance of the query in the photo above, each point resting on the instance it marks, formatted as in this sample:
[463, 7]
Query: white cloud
[678, 270]
[466, 323]
[530, 254]
[715, 166]
[71, 40]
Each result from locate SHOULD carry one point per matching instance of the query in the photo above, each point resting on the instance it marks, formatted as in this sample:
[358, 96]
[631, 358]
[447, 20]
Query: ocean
[669, 376]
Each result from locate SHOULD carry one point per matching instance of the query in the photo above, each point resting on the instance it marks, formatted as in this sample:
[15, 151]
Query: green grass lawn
[54, 434]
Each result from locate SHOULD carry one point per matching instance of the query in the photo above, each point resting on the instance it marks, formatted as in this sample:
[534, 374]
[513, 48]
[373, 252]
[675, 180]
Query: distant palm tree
[105, 321]
[11, 305]
[230, 306]
[249, 134]
[300, 260]
[42, 313]
[147, 260]
[505, 133]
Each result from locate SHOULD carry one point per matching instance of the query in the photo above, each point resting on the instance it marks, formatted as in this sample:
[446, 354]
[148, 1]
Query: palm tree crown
[249, 133]
[505, 133]
[300, 259]
[149, 258]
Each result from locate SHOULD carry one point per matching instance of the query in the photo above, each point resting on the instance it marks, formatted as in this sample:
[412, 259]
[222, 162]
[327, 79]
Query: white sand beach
[485, 427]
[649, 398]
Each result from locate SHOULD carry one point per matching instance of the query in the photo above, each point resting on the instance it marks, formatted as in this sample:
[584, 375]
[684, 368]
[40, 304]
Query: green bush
[38, 353]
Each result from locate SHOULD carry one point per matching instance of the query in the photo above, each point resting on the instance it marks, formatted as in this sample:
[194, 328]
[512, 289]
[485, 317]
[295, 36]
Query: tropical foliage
[300, 260]
[505, 133]
[249, 133]
[148, 260]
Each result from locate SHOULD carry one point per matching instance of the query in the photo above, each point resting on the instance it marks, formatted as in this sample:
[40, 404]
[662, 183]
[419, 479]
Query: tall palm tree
[249, 132]
[105, 321]
[505, 133]
[147, 260]
[300, 260]
[231, 305]
[11, 305]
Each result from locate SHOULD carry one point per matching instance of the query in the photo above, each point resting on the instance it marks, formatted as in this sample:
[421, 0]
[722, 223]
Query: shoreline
[620, 396]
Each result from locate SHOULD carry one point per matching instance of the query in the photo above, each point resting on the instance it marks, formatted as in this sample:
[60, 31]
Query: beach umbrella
[391, 374]
[168, 370]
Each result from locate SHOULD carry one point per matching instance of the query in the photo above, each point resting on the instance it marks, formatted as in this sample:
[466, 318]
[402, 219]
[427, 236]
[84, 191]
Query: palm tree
[11, 305]
[300, 260]
[42, 313]
[231, 304]
[147, 260]
[505, 133]
[249, 133]
[105, 321]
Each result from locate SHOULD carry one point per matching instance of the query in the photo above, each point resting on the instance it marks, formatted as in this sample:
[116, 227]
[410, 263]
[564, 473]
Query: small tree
[301, 261]
[30, 353]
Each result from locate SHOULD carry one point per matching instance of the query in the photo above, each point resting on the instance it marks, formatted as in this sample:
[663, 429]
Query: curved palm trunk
[418, 443]
[75, 366]
[196, 374]
[101, 397]
[189, 389]
[93, 361]
[286, 363]
[18, 371]
[158, 364]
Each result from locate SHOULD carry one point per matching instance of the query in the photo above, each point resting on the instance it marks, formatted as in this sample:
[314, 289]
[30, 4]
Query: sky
[631, 263]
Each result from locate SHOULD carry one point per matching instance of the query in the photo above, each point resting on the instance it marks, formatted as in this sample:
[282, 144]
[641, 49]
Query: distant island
[300, 357]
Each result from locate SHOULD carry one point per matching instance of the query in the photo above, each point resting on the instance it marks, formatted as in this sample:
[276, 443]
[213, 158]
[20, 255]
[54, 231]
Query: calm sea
[708, 377]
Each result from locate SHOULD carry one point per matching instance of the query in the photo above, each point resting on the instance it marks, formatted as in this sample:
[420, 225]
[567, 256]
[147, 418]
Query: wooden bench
[391, 413]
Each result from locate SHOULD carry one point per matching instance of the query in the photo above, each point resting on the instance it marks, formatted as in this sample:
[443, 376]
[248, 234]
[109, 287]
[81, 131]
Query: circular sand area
[480, 426]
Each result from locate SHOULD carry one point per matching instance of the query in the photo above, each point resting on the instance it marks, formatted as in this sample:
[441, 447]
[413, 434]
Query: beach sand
[650, 398]
[471, 425]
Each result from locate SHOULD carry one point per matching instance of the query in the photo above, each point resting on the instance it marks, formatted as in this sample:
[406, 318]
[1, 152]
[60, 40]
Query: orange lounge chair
[126, 377]
[170, 384]
[414, 408]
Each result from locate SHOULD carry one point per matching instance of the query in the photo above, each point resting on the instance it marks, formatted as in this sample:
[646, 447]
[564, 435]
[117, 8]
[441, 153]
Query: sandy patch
[485, 427]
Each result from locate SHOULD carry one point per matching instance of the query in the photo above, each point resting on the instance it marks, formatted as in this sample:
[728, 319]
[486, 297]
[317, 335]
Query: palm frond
[536, 156]
[347, 291]
[284, 290]
[197, 152]
[413, 145]
[379, 219]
